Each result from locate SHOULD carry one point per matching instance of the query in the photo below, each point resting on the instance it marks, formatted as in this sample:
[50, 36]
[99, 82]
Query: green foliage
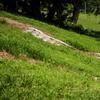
[93, 6]
[55, 8]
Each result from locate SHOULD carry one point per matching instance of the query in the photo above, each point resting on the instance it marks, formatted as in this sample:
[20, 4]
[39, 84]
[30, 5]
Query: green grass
[91, 22]
[64, 73]
[79, 41]
[16, 42]
[20, 80]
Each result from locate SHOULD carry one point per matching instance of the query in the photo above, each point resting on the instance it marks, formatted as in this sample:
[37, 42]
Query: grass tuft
[3, 21]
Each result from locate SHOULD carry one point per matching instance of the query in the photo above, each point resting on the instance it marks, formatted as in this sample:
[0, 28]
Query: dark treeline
[44, 9]
[59, 11]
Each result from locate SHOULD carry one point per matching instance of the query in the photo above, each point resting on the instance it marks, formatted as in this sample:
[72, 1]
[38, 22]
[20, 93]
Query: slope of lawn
[79, 41]
[20, 80]
[16, 42]
[91, 22]
[64, 73]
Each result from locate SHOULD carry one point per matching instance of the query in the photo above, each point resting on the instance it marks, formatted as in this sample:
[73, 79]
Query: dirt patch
[36, 32]
[5, 55]
[30, 60]
[91, 54]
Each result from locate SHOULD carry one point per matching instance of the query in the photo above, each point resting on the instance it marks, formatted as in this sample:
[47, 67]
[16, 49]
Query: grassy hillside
[59, 73]
[91, 22]
[79, 41]
[20, 80]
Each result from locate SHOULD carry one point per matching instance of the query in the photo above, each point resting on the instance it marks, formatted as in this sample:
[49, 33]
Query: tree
[56, 8]
[9, 5]
[93, 6]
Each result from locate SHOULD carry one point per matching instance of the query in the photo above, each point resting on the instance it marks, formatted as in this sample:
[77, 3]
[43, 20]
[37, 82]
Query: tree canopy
[51, 10]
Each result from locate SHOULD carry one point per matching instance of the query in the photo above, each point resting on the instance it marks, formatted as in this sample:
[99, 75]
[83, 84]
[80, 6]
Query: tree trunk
[51, 13]
[10, 5]
[35, 8]
[75, 15]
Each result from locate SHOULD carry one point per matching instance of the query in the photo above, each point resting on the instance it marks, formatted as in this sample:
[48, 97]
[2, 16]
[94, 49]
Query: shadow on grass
[77, 28]
[81, 30]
